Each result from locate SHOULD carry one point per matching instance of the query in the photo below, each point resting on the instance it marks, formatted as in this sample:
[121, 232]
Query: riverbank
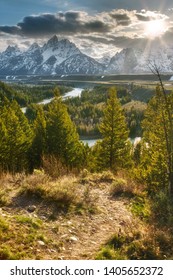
[92, 142]
[75, 92]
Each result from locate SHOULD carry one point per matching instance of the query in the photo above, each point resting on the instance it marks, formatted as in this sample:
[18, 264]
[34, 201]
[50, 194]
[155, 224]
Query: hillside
[84, 217]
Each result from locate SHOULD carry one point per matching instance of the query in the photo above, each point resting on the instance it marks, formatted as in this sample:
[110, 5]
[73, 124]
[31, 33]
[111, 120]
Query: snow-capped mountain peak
[12, 51]
[53, 57]
[64, 57]
[34, 47]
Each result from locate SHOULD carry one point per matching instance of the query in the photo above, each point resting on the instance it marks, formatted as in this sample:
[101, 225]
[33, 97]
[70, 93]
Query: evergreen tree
[157, 152]
[114, 149]
[62, 138]
[39, 139]
[16, 138]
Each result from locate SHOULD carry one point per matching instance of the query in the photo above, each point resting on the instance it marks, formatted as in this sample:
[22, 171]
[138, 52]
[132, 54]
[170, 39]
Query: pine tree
[62, 138]
[17, 138]
[114, 150]
[39, 140]
[157, 152]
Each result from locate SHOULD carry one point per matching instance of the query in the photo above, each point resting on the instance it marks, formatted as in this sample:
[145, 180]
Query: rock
[41, 243]
[35, 216]
[51, 251]
[64, 235]
[71, 231]
[43, 217]
[73, 239]
[122, 223]
[3, 215]
[31, 208]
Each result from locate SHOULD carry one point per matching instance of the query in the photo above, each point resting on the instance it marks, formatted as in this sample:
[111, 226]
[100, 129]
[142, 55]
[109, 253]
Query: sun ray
[154, 28]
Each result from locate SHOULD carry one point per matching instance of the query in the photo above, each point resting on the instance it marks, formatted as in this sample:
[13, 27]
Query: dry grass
[91, 206]
[146, 243]
[123, 185]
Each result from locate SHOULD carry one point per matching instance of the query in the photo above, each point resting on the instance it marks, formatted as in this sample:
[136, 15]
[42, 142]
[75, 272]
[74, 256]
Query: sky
[98, 27]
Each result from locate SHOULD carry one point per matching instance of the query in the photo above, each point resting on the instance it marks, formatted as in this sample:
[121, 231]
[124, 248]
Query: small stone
[43, 217]
[51, 250]
[41, 243]
[73, 239]
[31, 208]
[64, 236]
[3, 215]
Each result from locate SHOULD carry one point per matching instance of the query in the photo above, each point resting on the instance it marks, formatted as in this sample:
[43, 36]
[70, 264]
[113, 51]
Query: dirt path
[72, 235]
[83, 236]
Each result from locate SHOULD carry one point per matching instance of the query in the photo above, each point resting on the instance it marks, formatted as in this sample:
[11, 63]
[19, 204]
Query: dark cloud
[96, 26]
[143, 17]
[62, 23]
[14, 30]
[121, 19]
[118, 41]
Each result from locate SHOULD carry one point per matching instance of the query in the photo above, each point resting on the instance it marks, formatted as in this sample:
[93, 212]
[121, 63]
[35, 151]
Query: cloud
[13, 30]
[119, 42]
[60, 23]
[143, 17]
[121, 18]
[97, 29]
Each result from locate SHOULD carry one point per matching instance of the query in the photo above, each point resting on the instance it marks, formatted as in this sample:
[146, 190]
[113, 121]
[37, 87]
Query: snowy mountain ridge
[64, 57]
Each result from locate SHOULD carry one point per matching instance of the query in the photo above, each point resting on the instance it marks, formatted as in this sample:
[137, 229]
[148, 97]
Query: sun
[155, 28]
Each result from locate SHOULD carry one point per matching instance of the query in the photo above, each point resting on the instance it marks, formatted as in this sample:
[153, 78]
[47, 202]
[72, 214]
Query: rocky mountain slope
[63, 57]
[133, 61]
[56, 56]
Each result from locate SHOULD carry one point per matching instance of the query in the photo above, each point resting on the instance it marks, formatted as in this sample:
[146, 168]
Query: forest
[45, 165]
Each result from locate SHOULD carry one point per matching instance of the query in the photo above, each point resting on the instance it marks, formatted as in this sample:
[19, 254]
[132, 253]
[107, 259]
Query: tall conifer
[114, 151]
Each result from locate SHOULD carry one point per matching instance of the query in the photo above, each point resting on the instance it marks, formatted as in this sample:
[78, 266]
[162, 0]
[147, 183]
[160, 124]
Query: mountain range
[63, 57]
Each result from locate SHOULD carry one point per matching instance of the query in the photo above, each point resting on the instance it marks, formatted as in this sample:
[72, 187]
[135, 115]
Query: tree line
[25, 143]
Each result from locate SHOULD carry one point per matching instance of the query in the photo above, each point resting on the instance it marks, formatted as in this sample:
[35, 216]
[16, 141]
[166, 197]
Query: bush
[53, 167]
[62, 192]
[121, 187]
[162, 208]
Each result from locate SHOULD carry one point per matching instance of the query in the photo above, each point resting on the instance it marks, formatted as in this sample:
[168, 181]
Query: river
[91, 142]
[76, 92]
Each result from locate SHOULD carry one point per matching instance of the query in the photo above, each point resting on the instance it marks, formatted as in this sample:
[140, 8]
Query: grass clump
[7, 254]
[4, 226]
[35, 223]
[108, 253]
[123, 187]
[62, 192]
[106, 176]
[140, 207]
[147, 244]
[92, 178]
